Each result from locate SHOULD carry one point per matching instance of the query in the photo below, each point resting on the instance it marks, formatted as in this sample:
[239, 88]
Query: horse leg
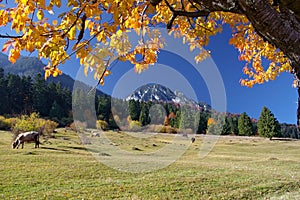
[18, 144]
[36, 141]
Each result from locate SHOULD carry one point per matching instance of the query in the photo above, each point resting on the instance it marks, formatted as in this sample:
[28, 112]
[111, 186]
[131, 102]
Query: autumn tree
[215, 124]
[95, 31]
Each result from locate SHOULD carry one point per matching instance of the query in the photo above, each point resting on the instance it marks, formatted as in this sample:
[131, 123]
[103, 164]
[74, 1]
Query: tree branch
[75, 21]
[200, 13]
[277, 28]
[10, 36]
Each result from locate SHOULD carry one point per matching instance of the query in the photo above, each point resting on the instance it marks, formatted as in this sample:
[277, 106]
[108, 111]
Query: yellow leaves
[120, 42]
[3, 17]
[133, 21]
[98, 61]
[93, 11]
[100, 76]
[211, 121]
[14, 54]
[30, 47]
[54, 71]
[202, 55]
[72, 33]
[139, 67]
[263, 61]
[23, 1]
[40, 15]
[41, 4]
[296, 83]
[72, 3]
[56, 2]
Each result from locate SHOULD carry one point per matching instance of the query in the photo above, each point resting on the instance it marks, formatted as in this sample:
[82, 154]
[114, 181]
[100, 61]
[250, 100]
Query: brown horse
[26, 137]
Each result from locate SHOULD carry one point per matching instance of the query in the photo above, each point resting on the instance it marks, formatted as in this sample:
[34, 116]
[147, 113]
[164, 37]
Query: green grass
[236, 168]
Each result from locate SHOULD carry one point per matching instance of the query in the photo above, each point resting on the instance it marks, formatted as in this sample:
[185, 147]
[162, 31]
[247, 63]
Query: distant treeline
[25, 95]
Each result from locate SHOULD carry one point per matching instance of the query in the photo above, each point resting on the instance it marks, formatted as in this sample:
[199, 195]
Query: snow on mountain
[159, 93]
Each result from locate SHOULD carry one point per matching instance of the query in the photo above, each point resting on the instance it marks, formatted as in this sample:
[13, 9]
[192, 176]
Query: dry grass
[236, 168]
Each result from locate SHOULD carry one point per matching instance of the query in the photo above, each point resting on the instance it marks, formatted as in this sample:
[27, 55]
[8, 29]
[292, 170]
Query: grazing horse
[26, 137]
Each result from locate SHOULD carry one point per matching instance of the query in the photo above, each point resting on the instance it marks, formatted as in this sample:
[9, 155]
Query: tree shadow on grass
[82, 148]
[55, 149]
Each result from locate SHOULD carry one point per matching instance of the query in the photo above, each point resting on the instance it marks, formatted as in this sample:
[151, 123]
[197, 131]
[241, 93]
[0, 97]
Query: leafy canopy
[96, 31]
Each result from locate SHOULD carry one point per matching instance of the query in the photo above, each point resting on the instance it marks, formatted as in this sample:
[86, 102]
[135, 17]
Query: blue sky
[279, 95]
[172, 71]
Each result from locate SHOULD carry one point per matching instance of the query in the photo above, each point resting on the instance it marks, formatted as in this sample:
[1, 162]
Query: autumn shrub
[134, 125]
[158, 128]
[3, 123]
[33, 123]
[101, 124]
[168, 129]
[11, 122]
[49, 126]
[26, 123]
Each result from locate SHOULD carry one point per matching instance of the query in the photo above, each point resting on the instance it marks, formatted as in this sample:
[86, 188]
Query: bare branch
[74, 23]
[199, 13]
[80, 35]
[10, 36]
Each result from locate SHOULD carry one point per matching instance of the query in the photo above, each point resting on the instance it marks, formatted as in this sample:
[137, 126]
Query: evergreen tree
[56, 111]
[3, 93]
[27, 94]
[134, 110]
[218, 122]
[104, 108]
[15, 97]
[233, 124]
[144, 115]
[226, 127]
[245, 125]
[267, 125]
[157, 114]
[40, 96]
[175, 119]
[189, 118]
[289, 131]
[202, 127]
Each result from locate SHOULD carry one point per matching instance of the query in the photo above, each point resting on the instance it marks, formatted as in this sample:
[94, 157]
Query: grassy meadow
[236, 168]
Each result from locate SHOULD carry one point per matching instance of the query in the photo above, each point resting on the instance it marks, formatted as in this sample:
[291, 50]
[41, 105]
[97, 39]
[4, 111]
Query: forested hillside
[23, 90]
[31, 66]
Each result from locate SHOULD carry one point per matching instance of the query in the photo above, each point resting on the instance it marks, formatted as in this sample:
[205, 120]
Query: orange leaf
[7, 45]
[13, 55]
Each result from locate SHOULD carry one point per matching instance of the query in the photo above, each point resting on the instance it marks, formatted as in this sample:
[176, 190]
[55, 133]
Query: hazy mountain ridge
[31, 66]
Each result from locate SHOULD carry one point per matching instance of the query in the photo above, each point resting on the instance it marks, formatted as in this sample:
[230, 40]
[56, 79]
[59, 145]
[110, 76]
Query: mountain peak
[153, 92]
[159, 93]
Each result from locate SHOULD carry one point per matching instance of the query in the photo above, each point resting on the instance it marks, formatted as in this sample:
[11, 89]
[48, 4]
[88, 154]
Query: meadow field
[65, 168]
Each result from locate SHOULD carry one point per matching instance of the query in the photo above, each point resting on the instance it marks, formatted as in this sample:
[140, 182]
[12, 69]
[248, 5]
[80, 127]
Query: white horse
[26, 137]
